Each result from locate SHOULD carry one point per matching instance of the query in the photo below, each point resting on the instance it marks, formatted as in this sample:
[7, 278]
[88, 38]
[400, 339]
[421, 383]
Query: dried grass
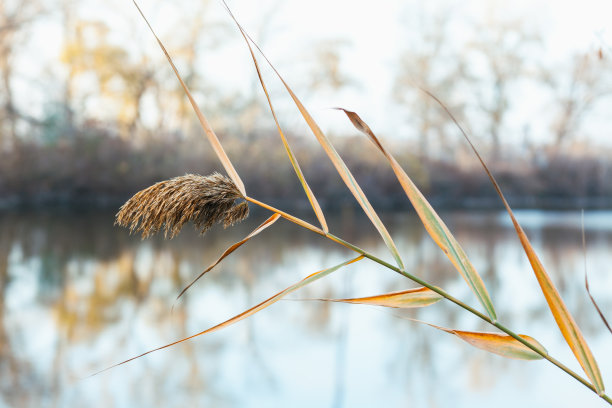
[169, 204]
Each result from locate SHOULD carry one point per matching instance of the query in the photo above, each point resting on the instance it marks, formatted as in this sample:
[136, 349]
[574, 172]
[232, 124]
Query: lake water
[78, 295]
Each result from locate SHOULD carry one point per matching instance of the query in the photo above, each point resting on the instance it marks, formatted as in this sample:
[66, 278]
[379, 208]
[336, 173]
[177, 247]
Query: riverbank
[103, 171]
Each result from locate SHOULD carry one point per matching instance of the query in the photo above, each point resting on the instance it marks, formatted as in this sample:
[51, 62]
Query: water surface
[79, 295]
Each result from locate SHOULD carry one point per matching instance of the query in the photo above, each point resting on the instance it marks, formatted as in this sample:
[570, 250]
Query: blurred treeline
[104, 116]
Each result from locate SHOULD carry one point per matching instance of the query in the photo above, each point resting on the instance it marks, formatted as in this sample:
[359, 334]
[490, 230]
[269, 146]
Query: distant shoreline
[51, 202]
[103, 172]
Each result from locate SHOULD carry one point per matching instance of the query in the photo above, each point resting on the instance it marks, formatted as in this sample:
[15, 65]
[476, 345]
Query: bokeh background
[90, 112]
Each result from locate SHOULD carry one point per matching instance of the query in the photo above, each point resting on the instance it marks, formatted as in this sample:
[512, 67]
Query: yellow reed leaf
[334, 157]
[497, 343]
[434, 225]
[249, 312]
[567, 325]
[212, 137]
[232, 248]
[296, 166]
[419, 297]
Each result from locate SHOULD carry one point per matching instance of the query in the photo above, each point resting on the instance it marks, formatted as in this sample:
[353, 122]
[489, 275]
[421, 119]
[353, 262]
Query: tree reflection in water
[78, 295]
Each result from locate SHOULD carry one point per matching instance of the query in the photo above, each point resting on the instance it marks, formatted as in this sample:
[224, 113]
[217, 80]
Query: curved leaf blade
[348, 178]
[212, 137]
[601, 315]
[564, 319]
[497, 343]
[568, 326]
[249, 312]
[501, 344]
[411, 298]
[296, 166]
[232, 248]
[334, 157]
[434, 225]
[586, 281]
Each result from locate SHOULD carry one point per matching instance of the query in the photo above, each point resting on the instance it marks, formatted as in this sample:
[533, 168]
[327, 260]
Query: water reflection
[78, 295]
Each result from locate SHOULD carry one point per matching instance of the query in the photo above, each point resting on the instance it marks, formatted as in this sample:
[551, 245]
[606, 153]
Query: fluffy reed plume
[169, 204]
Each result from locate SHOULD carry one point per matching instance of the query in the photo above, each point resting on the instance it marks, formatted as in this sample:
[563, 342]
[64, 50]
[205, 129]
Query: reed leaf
[249, 312]
[212, 137]
[335, 158]
[411, 298]
[434, 225]
[500, 344]
[232, 248]
[601, 315]
[564, 319]
[296, 166]
[497, 343]
[586, 281]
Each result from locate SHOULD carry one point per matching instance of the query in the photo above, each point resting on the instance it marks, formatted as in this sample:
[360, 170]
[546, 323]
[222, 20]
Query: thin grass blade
[309, 279]
[569, 329]
[586, 280]
[232, 248]
[212, 137]
[601, 315]
[497, 343]
[434, 225]
[286, 216]
[296, 166]
[335, 158]
[412, 298]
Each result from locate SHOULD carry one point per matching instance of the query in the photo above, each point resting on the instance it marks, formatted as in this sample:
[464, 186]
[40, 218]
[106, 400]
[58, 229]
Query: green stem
[287, 216]
[436, 289]
[470, 309]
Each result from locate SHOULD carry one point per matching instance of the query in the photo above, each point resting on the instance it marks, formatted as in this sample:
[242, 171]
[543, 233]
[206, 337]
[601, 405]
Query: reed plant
[168, 205]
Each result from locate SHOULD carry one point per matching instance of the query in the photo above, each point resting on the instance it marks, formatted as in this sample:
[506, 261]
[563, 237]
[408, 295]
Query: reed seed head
[169, 204]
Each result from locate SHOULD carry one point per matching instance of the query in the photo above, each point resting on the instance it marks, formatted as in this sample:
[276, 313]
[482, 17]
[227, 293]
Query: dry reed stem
[169, 204]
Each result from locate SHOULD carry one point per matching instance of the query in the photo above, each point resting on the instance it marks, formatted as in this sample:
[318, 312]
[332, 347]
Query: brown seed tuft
[236, 214]
[169, 204]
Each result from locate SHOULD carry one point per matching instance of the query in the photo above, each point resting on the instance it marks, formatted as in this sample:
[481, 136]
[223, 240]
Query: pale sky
[375, 33]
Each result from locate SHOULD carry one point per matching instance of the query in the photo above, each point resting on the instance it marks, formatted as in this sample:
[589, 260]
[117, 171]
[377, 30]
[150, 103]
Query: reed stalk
[436, 289]
[168, 205]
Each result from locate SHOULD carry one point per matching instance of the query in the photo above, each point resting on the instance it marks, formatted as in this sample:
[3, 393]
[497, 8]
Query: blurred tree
[431, 62]
[576, 90]
[15, 17]
[326, 72]
[118, 78]
[250, 106]
[67, 10]
[191, 36]
[505, 48]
